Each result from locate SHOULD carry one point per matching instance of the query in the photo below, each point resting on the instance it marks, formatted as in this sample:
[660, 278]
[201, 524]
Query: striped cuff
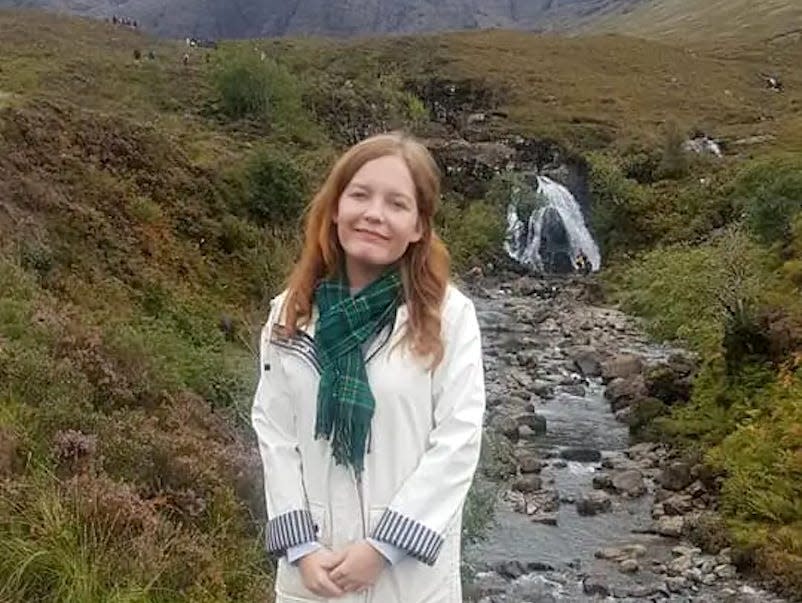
[413, 537]
[290, 529]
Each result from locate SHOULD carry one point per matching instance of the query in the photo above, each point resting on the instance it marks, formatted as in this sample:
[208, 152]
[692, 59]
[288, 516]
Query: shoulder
[457, 307]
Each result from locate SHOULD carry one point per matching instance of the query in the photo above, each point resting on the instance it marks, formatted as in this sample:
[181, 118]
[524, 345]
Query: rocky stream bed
[581, 513]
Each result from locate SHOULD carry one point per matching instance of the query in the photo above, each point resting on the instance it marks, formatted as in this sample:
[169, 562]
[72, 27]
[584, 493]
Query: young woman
[369, 407]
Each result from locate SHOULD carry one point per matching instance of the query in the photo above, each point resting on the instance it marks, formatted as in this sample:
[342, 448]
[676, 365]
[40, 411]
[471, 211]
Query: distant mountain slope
[253, 18]
[699, 20]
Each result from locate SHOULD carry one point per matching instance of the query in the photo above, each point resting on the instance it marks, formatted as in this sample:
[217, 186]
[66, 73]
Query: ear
[417, 235]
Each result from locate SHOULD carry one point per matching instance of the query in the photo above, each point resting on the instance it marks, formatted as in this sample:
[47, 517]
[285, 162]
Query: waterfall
[556, 220]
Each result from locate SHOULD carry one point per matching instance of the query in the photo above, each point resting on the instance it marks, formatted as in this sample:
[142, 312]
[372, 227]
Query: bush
[473, 233]
[769, 193]
[276, 193]
[674, 163]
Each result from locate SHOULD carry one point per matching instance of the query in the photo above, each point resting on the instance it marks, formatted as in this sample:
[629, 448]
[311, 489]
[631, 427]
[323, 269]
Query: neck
[360, 276]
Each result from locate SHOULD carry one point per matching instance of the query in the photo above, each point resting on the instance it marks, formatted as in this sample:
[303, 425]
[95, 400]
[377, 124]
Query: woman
[370, 403]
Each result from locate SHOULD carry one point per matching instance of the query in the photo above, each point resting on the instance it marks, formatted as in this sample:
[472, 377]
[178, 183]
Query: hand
[315, 568]
[359, 567]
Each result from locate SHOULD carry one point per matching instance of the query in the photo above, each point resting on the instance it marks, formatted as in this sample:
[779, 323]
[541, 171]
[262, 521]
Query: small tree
[674, 164]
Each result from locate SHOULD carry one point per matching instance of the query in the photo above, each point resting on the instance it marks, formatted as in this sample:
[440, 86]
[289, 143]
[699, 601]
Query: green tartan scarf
[344, 401]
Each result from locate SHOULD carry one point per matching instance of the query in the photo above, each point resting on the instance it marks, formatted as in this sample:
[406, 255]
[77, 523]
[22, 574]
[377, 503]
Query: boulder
[625, 391]
[629, 482]
[528, 483]
[593, 503]
[621, 366]
[676, 476]
[581, 455]
[588, 361]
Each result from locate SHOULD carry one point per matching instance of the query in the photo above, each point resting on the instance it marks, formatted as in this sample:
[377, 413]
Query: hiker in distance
[369, 407]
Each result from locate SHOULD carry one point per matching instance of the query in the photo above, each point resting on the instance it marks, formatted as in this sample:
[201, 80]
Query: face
[377, 218]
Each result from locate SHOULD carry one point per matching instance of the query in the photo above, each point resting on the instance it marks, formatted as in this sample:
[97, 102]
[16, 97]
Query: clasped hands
[331, 574]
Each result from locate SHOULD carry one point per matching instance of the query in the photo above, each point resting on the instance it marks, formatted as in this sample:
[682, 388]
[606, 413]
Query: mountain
[254, 18]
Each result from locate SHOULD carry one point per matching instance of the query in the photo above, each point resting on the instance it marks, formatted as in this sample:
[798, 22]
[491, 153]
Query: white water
[522, 242]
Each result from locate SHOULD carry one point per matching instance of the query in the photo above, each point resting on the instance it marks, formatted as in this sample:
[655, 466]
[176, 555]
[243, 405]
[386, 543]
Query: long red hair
[424, 266]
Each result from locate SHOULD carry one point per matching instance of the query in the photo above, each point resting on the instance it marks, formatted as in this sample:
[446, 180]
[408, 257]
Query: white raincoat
[423, 451]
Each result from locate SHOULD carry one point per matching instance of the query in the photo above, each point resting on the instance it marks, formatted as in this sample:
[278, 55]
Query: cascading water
[554, 233]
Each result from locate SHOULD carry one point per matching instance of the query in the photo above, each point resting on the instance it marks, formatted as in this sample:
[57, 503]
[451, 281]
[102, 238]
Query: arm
[289, 521]
[420, 514]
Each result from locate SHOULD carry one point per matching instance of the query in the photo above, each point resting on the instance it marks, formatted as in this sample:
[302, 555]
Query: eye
[399, 203]
[358, 194]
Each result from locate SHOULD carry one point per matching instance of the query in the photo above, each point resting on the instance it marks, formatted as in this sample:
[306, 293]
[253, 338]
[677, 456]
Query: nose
[374, 212]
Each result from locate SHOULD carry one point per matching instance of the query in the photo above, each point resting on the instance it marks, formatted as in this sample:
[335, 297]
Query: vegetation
[734, 298]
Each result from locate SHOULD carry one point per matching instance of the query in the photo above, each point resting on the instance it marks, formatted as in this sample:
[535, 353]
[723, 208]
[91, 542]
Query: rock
[588, 361]
[596, 586]
[675, 476]
[621, 366]
[676, 584]
[629, 566]
[678, 504]
[530, 463]
[682, 550]
[610, 554]
[581, 455]
[532, 588]
[726, 572]
[629, 482]
[488, 583]
[528, 483]
[680, 566]
[593, 502]
[625, 391]
[709, 579]
[548, 519]
[670, 526]
[534, 421]
[511, 569]
[507, 425]
[602, 482]
[670, 382]
[576, 390]
[528, 358]
[543, 389]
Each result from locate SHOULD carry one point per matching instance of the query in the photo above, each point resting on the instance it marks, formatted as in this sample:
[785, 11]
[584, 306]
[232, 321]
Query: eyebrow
[362, 185]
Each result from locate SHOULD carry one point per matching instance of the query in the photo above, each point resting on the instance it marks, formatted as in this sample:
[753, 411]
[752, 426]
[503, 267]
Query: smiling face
[377, 218]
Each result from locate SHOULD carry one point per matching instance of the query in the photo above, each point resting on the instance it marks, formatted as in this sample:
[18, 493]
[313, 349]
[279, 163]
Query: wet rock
[528, 483]
[593, 503]
[528, 358]
[623, 392]
[596, 586]
[574, 390]
[527, 433]
[603, 482]
[488, 583]
[621, 366]
[532, 588]
[533, 421]
[587, 361]
[629, 566]
[629, 482]
[630, 551]
[506, 425]
[726, 572]
[675, 476]
[581, 455]
[548, 519]
[543, 389]
[528, 462]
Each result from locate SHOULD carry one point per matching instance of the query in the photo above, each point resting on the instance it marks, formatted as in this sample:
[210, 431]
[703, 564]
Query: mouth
[369, 234]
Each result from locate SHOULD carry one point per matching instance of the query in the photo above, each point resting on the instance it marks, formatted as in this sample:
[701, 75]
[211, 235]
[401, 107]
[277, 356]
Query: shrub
[473, 233]
[674, 163]
[276, 193]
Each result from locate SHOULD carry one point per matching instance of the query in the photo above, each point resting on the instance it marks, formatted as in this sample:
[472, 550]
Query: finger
[333, 560]
[330, 589]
